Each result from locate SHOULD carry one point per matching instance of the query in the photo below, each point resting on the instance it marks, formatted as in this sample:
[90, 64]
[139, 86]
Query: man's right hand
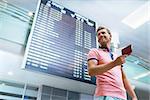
[120, 60]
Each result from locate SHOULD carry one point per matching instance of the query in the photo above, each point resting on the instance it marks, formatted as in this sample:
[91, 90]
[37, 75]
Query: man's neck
[106, 46]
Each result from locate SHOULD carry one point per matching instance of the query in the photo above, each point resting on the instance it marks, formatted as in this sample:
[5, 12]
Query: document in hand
[127, 50]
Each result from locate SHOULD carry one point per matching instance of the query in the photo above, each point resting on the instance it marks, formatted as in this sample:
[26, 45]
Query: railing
[17, 91]
[15, 23]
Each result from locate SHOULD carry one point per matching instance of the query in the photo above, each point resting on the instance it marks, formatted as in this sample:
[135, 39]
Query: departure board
[59, 42]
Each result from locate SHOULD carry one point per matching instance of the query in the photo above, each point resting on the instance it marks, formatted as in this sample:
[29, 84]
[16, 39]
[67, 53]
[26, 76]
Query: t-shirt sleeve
[92, 55]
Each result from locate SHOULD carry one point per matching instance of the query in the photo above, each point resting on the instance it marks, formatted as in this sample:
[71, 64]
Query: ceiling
[109, 13]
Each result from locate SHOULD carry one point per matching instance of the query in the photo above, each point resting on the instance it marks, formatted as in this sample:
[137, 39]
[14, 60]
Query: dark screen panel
[60, 42]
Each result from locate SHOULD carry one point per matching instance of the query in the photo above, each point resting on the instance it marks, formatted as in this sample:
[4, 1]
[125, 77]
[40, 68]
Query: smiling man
[111, 81]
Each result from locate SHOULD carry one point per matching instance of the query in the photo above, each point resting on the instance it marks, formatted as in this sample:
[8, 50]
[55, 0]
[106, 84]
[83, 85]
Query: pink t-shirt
[109, 83]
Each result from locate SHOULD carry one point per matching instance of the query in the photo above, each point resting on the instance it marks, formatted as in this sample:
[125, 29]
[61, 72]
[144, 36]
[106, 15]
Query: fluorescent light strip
[138, 17]
[141, 75]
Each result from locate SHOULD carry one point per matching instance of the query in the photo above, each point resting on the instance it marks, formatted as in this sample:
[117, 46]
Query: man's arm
[95, 69]
[128, 86]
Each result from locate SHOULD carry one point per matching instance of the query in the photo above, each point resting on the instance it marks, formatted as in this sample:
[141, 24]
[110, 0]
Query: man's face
[103, 37]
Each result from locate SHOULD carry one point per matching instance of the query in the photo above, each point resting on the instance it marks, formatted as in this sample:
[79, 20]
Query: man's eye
[103, 32]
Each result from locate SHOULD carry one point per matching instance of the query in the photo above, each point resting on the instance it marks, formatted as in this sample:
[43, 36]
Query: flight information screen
[59, 42]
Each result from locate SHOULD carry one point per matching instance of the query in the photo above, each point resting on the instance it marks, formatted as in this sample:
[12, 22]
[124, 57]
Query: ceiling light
[30, 13]
[141, 75]
[136, 61]
[138, 17]
[3, 84]
[10, 73]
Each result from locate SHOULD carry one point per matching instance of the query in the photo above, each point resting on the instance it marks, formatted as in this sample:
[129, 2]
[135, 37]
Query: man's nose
[101, 34]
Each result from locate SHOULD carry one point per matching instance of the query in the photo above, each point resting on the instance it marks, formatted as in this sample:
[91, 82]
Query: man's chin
[103, 42]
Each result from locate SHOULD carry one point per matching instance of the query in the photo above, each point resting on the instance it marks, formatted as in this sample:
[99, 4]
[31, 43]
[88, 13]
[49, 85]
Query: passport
[127, 50]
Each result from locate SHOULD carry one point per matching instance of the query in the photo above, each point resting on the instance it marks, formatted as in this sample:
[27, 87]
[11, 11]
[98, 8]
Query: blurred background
[129, 21]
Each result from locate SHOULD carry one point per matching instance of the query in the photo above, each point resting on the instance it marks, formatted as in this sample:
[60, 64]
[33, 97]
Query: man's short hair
[102, 27]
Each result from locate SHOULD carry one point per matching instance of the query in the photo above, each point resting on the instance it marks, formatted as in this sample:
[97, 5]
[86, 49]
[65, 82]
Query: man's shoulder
[93, 50]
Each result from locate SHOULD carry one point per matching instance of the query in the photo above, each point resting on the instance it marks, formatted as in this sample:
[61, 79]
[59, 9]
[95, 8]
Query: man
[111, 81]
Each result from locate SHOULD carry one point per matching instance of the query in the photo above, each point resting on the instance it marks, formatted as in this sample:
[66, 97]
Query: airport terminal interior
[44, 46]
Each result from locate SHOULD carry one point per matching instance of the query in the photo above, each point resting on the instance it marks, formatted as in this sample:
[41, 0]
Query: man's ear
[110, 36]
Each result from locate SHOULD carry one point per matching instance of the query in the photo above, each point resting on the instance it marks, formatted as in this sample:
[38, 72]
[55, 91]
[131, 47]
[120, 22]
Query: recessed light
[136, 61]
[10, 73]
[30, 13]
[2, 84]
